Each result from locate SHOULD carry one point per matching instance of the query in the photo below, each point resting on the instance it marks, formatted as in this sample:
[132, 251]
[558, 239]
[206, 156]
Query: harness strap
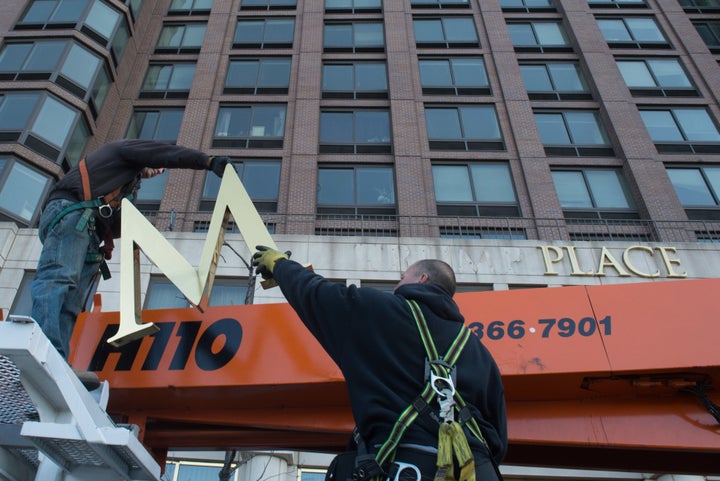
[428, 394]
[110, 199]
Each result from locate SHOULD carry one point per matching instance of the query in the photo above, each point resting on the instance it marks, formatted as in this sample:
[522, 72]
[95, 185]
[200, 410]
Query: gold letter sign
[137, 233]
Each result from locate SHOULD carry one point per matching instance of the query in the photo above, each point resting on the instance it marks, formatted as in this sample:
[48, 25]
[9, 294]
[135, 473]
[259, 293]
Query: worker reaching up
[426, 395]
[82, 212]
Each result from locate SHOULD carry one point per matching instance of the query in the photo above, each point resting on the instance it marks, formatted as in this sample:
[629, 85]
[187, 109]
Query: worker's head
[431, 271]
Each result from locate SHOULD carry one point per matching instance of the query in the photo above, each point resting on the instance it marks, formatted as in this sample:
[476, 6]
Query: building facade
[504, 136]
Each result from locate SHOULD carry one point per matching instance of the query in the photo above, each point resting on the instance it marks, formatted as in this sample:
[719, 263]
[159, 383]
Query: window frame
[526, 7]
[354, 8]
[555, 93]
[709, 28]
[262, 204]
[166, 93]
[158, 123]
[572, 148]
[355, 93]
[463, 142]
[595, 211]
[161, 280]
[257, 89]
[687, 145]
[263, 42]
[357, 208]
[249, 141]
[440, 4]
[634, 43]
[6, 169]
[658, 90]
[539, 46]
[66, 155]
[692, 6]
[281, 5]
[192, 11]
[181, 48]
[355, 146]
[452, 88]
[446, 43]
[618, 4]
[475, 207]
[354, 47]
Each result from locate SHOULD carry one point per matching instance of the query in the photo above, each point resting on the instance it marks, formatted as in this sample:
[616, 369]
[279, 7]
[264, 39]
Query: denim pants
[64, 277]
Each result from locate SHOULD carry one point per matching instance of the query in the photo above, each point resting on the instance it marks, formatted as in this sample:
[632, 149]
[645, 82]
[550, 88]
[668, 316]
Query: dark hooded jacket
[119, 164]
[373, 338]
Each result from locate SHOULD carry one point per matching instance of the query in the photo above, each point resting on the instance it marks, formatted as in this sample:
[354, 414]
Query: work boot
[88, 379]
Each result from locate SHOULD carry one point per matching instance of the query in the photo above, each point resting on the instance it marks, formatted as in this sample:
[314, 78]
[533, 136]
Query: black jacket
[119, 164]
[372, 337]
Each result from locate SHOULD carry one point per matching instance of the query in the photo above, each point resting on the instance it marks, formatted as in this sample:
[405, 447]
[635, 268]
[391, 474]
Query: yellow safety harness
[452, 442]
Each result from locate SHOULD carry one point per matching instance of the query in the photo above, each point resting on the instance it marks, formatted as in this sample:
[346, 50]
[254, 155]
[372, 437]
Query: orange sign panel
[583, 367]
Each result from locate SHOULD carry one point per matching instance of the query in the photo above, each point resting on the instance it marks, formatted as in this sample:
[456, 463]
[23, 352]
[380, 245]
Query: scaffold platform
[51, 427]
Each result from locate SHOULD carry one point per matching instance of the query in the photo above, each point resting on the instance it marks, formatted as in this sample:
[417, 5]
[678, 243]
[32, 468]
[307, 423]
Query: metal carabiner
[402, 467]
[445, 390]
[105, 211]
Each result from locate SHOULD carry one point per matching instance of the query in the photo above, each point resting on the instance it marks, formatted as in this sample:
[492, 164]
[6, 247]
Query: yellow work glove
[264, 260]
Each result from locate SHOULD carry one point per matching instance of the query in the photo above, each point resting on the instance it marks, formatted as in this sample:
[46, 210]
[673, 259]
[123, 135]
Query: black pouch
[341, 467]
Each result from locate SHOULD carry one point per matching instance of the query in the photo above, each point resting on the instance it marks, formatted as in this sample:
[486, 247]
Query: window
[700, 6]
[539, 37]
[355, 132]
[190, 7]
[64, 62]
[574, 133]
[168, 81]
[594, 193]
[258, 76]
[469, 128]
[656, 77]
[261, 178]
[22, 191]
[264, 33]
[445, 32]
[632, 32]
[527, 6]
[94, 18]
[555, 81]
[181, 38]
[710, 33]
[698, 189]
[617, 4]
[268, 4]
[440, 3]
[151, 193]
[682, 130]
[162, 294]
[354, 37]
[454, 76]
[45, 124]
[250, 126]
[161, 125]
[356, 190]
[359, 80]
[475, 190]
[353, 6]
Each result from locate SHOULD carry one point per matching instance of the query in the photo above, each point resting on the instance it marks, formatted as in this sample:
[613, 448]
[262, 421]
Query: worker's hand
[149, 172]
[265, 258]
[217, 164]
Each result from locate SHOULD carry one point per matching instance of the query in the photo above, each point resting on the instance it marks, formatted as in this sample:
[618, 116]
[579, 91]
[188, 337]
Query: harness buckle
[105, 211]
[445, 390]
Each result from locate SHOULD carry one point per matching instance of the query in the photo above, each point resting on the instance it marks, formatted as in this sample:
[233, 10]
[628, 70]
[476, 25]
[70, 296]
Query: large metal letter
[138, 233]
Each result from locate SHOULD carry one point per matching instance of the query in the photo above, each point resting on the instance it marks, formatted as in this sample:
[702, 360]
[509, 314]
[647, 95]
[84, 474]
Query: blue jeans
[64, 277]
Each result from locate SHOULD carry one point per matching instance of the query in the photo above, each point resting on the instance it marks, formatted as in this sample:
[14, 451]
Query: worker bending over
[82, 212]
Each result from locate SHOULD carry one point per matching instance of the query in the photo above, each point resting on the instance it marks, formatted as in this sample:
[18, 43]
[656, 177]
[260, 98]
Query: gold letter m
[196, 285]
